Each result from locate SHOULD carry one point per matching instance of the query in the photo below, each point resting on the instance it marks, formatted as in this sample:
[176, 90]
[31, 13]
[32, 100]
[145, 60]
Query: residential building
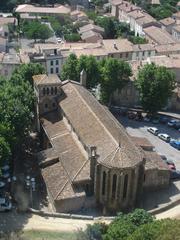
[167, 49]
[77, 15]
[124, 9]
[9, 62]
[176, 16]
[91, 37]
[91, 27]
[158, 36]
[50, 57]
[167, 24]
[42, 11]
[3, 44]
[88, 159]
[176, 32]
[114, 7]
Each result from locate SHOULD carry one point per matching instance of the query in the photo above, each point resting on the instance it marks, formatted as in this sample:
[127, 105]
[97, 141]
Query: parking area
[139, 129]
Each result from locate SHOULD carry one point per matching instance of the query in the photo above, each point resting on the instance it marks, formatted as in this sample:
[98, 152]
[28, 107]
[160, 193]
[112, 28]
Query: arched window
[104, 183]
[44, 91]
[114, 183]
[125, 186]
[52, 90]
[47, 91]
[55, 90]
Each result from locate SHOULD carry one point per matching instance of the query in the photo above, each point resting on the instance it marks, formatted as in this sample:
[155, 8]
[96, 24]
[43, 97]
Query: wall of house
[156, 179]
[176, 35]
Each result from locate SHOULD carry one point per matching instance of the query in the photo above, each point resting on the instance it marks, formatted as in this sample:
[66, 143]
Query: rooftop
[27, 8]
[46, 79]
[167, 21]
[7, 20]
[90, 27]
[117, 45]
[89, 34]
[158, 35]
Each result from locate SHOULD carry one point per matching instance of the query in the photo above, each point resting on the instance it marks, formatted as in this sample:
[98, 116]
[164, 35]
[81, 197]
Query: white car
[2, 184]
[153, 130]
[164, 137]
[5, 205]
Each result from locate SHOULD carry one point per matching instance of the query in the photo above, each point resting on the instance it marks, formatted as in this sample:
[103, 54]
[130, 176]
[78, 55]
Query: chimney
[83, 78]
[115, 46]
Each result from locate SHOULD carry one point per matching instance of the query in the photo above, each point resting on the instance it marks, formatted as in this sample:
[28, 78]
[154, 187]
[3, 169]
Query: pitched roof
[145, 19]
[92, 27]
[166, 48]
[46, 79]
[159, 35]
[88, 34]
[167, 21]
[117, 45]
[7, 20]
[27, 8]
[99, 128]
[72, 166]
[154, 161]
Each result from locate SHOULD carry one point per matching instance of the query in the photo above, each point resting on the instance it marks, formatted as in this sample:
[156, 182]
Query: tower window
[104, 184]
[55, 90]
[46, 105]
[53, 104]
[52, 90]
[44, 91]
[114, 183]
[125, 186]
[47, 91]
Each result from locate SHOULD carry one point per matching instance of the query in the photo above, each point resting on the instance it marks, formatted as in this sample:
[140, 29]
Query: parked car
[172, 123]
[155, 120]
[2, 184]
[131, 115]
[175, 144]
[175, 174]
[5, 168]
[177, 125]
[165, 137]
[5, 204]
[153, 130]
[163, 119]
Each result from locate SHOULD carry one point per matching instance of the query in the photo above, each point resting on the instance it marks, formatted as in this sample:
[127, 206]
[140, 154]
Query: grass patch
[47, 235]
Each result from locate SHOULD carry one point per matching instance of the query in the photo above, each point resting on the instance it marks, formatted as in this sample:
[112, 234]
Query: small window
[52, 70]
[55, 90]
[104, 183]
[52, 90]
[44, 91]
[57, 62]
[57, 70]
[125, 186]
[52, 63]
[46, 105]
[47, 91]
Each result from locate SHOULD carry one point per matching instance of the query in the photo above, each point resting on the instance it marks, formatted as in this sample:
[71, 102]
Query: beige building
[42, 11]
[88, 158]
[167, 24]
[158, 36]
[176, 32]
[91, 37]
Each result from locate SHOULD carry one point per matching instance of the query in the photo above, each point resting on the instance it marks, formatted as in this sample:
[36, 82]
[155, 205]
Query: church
[88, 159]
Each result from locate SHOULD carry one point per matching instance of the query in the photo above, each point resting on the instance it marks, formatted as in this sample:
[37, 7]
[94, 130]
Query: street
[139, 129]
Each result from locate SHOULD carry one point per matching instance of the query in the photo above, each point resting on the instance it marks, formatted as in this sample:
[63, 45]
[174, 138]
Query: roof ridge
[80, 170]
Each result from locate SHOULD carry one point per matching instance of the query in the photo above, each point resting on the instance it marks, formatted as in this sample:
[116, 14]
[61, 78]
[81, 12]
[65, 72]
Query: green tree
[109, 26]
[114, 76]
[90, 65]
[155, 85]
[5, 151]
[35, 30]
[69, 69]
